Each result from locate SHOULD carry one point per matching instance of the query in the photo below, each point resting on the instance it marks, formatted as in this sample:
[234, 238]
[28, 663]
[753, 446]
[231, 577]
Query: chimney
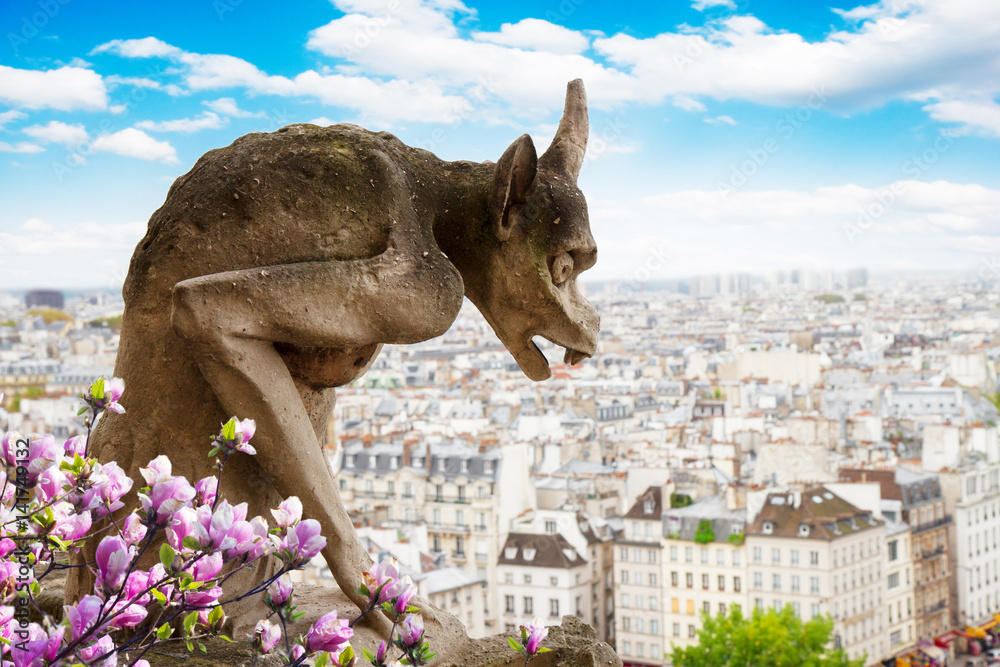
[407, 450]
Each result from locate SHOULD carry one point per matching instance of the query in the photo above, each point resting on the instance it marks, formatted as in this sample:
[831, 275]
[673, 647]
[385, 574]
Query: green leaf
[191, 543]
[229, 429]
[167, 555]
[81, 411]
[516, 645]
[296, 615]
[160, 597]
[429, 656]
[215, 615]
[4, 641]
[347, 654]
[189, 644]
[212, 452]
[97, 389]
[322, 659]
[164, 631]
[363, 590]
[189, 622]
[202, 648]
[544, 650]
[369, 656]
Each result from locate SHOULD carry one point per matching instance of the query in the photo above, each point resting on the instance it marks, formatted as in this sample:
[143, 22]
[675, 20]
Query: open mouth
[570, 356]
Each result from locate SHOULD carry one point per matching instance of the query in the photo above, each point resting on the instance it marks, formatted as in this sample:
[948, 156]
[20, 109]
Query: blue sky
[726, 135]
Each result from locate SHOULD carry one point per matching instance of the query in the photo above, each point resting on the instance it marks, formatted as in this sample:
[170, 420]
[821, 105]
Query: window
[394, 462]
[677, 630]
[797, 609]
[689, 579]
[776, 556]
[896, 638]
[706, 607]
[795, 583]
[722, 582]
[688, 555]
[704, 555]
[625, 600]
[652, 579]
[640, 625]
[488, 466]
[627, 647]
[758, 603]
[893, 550]
[624, 555]
[652, 555]
[441, 464]
[757, 557]
[795, 556]
[407, 490]
[529, 605]
[722, 609]
[815, 609]
[437, 543]
[654, 603]
[372, 461]
[554, 581]
[736, 558]
[814, 558]
[438, 492]
[691, 631]
[758, 580]
[624, 576]
[736, 584]
[776, 582]
[460, 518]
[508, 578]
[894, 580]
[720, 557]
[777, 605]
[527, 579]
[654, 629]
[673, 579]
[814, 585]
[550, 526]
[627, 623]
[461, 493]
[673, 552]
[554, 608]
[509, 603]
[704, 582]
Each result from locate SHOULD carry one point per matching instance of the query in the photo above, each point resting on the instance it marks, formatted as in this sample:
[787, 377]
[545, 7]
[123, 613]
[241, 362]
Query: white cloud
[56, 132]
[720, 120]
[227, 107]
[688, 104]
[980, 115]
[323, 121]
[22, 147]
[65, 89]
[702, 5]
[12, 115]
[135, 143]
[37, 237]
[206, 121]
[537, 35]
[147, 47]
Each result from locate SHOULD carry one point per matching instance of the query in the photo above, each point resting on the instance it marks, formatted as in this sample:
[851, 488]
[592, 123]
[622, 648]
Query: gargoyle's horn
[566, 153]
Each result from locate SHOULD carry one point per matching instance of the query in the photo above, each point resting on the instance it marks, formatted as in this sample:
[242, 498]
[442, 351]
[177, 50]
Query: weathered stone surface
[277, 268]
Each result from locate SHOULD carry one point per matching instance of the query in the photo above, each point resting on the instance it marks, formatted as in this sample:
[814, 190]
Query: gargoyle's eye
[562, 268]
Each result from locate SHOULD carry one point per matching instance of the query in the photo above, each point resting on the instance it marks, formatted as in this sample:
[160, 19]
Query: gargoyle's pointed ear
[565, 154]
[513, 178]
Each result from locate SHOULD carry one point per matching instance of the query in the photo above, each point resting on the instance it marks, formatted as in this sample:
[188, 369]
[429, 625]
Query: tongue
[573, 357]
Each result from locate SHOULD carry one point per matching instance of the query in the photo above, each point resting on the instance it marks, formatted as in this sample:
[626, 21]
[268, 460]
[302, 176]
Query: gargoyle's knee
[188, 313]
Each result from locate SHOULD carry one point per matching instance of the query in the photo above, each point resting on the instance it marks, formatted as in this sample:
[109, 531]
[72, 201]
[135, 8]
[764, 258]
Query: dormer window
[488, 466]
[647, 506]
[394, 462]
[767, 528]
[529, 553]
[418, 462]
[570, 554]
[510, 553]
[465, 465]
[372, 461]
[803, 530]
[441, 464]
[352, 460]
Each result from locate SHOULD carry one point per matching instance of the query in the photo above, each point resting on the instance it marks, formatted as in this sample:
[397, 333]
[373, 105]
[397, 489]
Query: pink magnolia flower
[207, 489]
[289, 512]
[128, 614]
[329, 634]
[133, 531]
[42, 452]
[104, 395]
[38, 649]
[411, 630]
[51, 484]
[402, 599]
[183, 524]
[75, 445]
[167, 494]
[266, 636]
[532, 635]
[83, 615]
[103, 650]
[244, 431]
[6, 546]
[206, 567]
[279, 592]
[69, 526]
[302, 542]
[110, 484]
[113, 559]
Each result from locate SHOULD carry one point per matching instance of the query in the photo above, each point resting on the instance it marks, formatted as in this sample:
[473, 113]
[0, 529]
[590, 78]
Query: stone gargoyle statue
[278, 267]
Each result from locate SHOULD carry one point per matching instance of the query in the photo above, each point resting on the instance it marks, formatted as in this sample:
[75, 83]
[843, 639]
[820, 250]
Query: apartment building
[900, 608]
[972, 497]
[465, 497]
[542, 575]
[923, 509]
[819, 554]
[592, 538]
[704, 566]
[638, 575]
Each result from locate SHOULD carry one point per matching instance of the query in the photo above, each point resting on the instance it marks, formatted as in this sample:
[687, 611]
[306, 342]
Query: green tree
[766, 639]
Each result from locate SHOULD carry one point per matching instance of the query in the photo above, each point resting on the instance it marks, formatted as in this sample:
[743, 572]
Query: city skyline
[726, 136]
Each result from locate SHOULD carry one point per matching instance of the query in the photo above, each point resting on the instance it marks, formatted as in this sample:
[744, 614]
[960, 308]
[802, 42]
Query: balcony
[460, 500]
[933, 609]
[931, 553]
[944, 521]
[450, 528]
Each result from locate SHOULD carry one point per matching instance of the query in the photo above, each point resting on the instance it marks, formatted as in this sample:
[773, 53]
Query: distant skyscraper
[857, 278]
[44, 298]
